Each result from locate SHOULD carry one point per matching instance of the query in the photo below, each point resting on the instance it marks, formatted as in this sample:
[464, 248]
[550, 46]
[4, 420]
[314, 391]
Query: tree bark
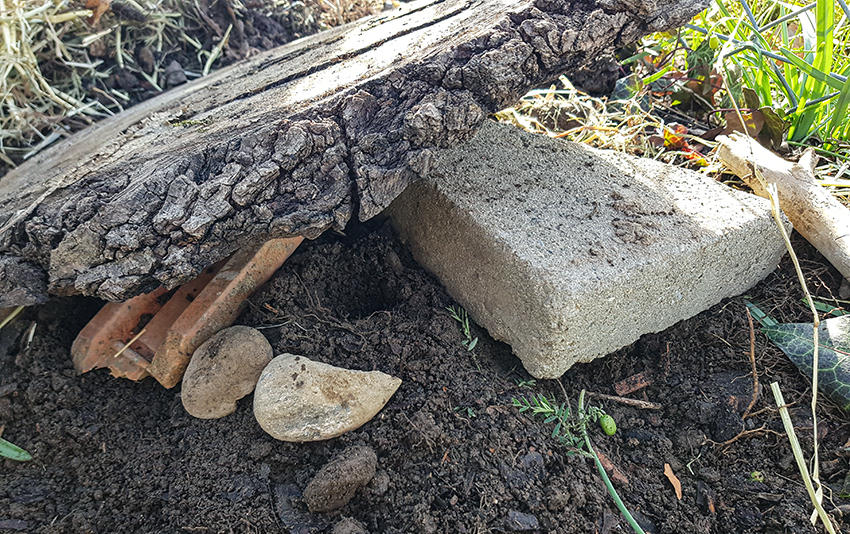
[291, 142]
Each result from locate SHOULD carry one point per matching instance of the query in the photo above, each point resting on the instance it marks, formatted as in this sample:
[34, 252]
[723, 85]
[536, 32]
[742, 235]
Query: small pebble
[174, 74]
[224, 369]
[349, 526]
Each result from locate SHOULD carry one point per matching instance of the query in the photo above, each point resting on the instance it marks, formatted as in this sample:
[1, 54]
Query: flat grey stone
[569, 253]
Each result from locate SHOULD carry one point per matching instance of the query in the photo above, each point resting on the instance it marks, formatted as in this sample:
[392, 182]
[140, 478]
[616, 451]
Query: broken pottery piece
[300, 400]
[335, 483]
[224, 369]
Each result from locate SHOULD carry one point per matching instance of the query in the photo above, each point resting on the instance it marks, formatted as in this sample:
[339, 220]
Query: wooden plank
[291, 142]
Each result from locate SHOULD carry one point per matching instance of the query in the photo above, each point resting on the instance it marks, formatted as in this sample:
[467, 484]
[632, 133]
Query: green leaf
[827, 308]
[751, 99]
[773, 132]
[818, 75]
[472, 345]
[795, 340]
[760, 316]
[13, 452]
[840, 111]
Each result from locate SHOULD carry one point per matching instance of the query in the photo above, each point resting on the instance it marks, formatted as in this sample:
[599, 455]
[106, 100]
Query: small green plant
[469, 343]
[792, 60]
[757, 476]
[10, 450]
[525, 383]
[470, 413]
[571, 430]
[460, 315]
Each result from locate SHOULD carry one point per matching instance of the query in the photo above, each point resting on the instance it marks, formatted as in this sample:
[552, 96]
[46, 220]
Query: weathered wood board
[291, 142]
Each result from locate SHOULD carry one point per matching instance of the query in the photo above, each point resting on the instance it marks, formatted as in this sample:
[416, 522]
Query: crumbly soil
[113, 456]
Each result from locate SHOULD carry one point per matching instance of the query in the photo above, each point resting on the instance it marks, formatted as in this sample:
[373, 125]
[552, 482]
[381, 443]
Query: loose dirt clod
[334, 485]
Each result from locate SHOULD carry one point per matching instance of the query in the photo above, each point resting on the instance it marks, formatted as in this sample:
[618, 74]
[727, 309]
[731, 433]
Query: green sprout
[469, 343]
[571, 430]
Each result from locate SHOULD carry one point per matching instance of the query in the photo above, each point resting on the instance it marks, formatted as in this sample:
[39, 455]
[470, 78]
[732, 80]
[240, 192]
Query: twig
[753, 362]
[798, 455]
[136, 337]
[217, 50]
[643, 405]
[762, 430]
[774, 208]
[11, 316]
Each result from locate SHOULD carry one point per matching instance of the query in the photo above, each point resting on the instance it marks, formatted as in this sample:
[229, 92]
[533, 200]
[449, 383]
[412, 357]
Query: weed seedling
[571, 430]
[469, 343]
[470, 413]
[10, 450]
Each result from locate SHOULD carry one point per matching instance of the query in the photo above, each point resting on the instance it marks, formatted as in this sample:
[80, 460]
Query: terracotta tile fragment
[164, 328]
[217, 306]
[114, 325]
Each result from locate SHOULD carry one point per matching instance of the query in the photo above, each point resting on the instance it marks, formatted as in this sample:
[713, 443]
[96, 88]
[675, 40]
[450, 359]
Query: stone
[174, 74]
[335, 483]
[300, 400]
[224, 369]
[569, 253]
[519, 522]
[348, 525]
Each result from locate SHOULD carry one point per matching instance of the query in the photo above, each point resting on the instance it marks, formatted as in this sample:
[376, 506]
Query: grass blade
[840, 111]
[13, 452]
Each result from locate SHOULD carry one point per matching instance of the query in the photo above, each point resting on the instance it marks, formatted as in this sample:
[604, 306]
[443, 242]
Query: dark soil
[115, 456]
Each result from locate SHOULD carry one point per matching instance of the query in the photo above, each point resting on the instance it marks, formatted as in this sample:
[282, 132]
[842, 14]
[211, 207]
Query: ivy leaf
[795, 340]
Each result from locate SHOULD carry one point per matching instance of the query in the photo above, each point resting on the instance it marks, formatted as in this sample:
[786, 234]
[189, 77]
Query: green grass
[13, 452]
[793, 58]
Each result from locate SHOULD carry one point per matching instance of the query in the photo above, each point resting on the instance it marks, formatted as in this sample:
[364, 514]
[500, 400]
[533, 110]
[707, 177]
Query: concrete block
[569, 253]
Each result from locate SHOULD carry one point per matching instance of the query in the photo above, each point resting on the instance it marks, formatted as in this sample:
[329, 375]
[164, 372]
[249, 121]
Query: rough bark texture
[291, 142]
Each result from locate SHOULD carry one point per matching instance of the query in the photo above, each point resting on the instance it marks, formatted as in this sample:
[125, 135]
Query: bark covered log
[291, 142]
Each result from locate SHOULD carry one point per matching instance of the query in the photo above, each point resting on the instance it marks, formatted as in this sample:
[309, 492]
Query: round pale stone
[224, 369]
[300, 400]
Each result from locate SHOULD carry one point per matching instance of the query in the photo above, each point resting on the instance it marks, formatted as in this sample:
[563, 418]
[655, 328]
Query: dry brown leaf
[98, 8]
[673, 480]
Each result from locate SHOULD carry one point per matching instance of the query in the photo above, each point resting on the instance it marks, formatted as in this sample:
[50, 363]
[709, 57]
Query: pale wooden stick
[815, 214]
